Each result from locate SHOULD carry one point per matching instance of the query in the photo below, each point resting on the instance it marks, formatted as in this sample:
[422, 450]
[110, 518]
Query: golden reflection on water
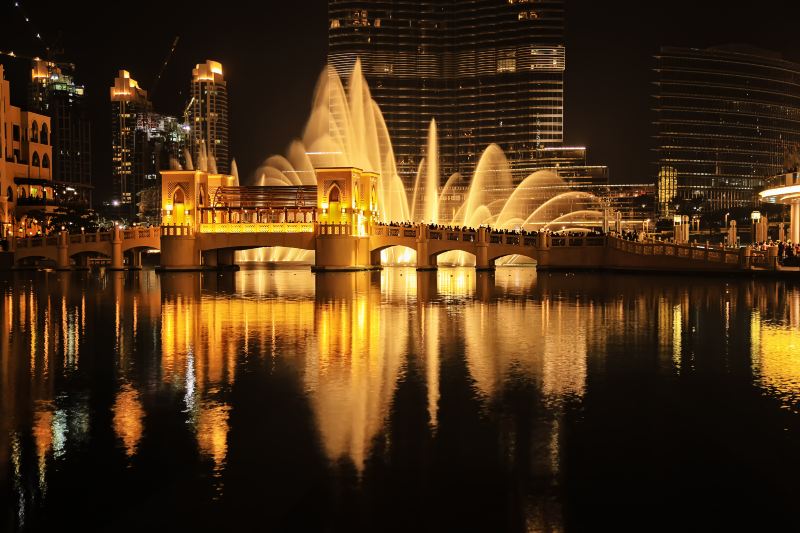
[776, 350]
[350, 340]
[128, 415]
[352, 374]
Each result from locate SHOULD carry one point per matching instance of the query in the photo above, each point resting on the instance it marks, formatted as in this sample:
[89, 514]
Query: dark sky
[273, 52]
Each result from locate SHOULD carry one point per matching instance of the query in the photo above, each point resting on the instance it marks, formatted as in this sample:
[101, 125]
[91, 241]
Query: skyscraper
[54, 92]
[725, 117]
[488, 71]
[128, 103]
[144, 142]
[207, 114]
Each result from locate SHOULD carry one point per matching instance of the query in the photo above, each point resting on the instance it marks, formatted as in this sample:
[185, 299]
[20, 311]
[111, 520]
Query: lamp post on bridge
[755, 217]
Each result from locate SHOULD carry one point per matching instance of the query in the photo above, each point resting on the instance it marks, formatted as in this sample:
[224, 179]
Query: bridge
[550, 250]
[207, 218]
[68, 251]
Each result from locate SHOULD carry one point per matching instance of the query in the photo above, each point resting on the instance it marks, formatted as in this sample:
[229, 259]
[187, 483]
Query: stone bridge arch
[433, 259]
[30, 257]
[375, 253]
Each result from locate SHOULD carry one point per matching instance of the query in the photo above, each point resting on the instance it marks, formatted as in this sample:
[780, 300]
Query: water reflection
[408, 384]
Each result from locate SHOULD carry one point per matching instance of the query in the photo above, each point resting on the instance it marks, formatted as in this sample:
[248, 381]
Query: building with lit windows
[53, 92]
[144, 142]
[128, 103]
[488, 71]
[725, 117]
[207, 116]
[166, 140]
[26, 186]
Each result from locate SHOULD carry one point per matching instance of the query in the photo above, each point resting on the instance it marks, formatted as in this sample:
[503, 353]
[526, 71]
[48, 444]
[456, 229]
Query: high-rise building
[129, 154]
[725, 117]
[207, 115]
[488, 71]
[54, 92]
[26, 186]
[166, 139]
[144, 142]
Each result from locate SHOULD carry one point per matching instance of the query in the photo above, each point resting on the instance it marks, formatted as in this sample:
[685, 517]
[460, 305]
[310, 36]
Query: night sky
[274, 51]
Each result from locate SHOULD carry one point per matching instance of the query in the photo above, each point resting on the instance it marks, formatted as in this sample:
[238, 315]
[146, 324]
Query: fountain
[347, 128]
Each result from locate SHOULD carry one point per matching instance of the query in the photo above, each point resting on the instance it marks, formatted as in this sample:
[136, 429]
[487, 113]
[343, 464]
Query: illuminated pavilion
[785, 189]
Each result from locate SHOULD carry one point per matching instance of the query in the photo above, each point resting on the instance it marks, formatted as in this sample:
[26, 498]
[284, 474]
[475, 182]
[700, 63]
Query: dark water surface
[397, 401]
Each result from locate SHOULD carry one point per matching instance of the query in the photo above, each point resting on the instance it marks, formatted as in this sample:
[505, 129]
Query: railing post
[62, 261]
[744, 257]
[423, 259]
[117, 262]
[482, 262]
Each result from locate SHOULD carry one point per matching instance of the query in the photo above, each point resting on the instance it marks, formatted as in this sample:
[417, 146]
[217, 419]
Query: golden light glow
[212, 432]
[128, 416]
[280, 227]
[781, 193]
[776, 362]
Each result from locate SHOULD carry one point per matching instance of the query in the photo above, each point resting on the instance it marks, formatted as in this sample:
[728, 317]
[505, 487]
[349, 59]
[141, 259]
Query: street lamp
[755, 216]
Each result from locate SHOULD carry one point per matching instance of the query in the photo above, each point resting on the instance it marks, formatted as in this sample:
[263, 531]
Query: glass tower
[207, 115]
[143, 143]
[54, 92]
[488, 71]
[129, 148]
[725, 117]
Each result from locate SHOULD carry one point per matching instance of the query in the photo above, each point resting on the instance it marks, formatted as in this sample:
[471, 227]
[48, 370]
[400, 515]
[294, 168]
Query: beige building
[25, 167]
[207, 116]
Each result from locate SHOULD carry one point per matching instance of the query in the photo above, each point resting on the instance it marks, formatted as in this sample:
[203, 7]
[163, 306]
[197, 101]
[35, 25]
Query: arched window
[21, 193]
[178, 197]
[201, 200]
[44, 134]
[10, 194]
[35, 132]
[334, 194]
[45, 161]
[35, 159]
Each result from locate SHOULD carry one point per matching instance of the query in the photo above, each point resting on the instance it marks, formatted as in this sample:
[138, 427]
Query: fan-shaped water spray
[347, 128]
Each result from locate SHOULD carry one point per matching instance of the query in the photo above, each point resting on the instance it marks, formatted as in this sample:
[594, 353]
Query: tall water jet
[346, 128]
[425, 201]
[235, 171]
[492, 175]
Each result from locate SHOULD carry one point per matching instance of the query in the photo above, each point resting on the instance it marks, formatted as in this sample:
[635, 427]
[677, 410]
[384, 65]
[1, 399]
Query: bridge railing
[258, 227]
[324, 228]
[709, 254]
[177, 231]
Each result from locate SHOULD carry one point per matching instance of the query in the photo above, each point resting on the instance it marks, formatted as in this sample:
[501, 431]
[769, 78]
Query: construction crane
[37, 58]
[164, 66]
[51, 51]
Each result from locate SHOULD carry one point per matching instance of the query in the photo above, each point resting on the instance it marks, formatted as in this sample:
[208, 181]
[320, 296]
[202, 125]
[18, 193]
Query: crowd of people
[788, 252]
[521, 232]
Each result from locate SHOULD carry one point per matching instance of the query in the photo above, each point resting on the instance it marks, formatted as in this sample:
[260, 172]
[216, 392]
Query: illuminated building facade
[488, 71]
[128, 103]
[207, 116]
[724, 119]
[53, 92]
[26, 185]
[144, 143]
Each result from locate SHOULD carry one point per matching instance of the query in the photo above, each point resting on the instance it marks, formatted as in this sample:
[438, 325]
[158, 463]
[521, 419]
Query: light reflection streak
[350, 349]
[128, 415]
